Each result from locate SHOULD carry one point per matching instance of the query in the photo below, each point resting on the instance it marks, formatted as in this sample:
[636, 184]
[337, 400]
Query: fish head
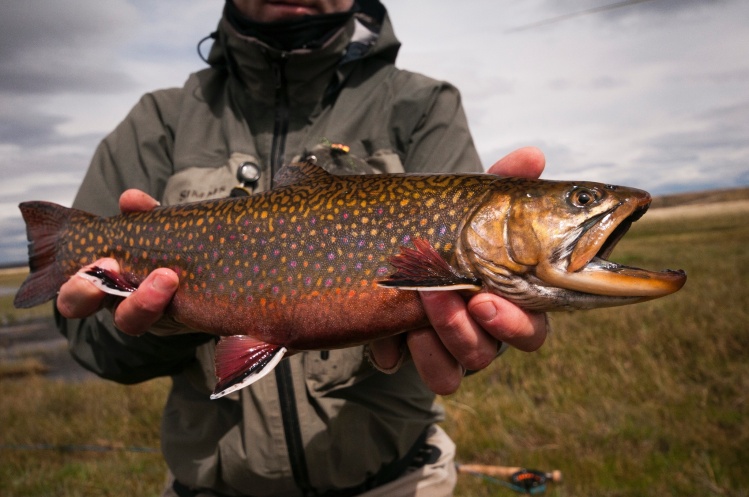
[545, 245]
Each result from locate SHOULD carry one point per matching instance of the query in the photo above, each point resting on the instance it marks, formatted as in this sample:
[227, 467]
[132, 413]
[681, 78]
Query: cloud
[620, 13]
[51, 173]
[62, 46]
[711, 150]
[28, 128]
[657, 10]
[69, 71]
[56, 49]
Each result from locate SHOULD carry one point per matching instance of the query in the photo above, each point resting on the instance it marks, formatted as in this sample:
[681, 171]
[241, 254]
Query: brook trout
[324, 261]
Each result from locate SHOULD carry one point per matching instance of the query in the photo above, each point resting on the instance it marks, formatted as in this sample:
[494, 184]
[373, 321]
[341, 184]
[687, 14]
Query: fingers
[79, 298]
[456, 343]
[387, 353]
[527, 162]
[136, 200]
[439, 369]
[138, 312]
[507, 322]
[458, 331]
[468, 336]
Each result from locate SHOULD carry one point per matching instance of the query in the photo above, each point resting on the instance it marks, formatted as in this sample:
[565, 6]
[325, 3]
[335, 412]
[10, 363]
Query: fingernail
[162, 282]
[485, 311]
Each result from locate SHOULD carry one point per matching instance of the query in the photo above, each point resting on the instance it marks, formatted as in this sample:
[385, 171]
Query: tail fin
[44, 222]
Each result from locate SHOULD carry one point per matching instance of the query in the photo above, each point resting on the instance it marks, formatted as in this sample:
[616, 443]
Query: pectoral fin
[423, 268]
[242, 360]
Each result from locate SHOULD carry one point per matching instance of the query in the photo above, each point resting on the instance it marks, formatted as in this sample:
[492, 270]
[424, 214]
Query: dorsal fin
[297, 172]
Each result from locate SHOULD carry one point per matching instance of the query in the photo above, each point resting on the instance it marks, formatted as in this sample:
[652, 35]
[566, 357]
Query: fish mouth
[588, 269]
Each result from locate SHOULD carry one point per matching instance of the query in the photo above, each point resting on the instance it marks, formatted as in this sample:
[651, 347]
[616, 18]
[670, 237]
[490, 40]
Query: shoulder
[421, 95]
[167, 104]
[416, 85]
[416, 81]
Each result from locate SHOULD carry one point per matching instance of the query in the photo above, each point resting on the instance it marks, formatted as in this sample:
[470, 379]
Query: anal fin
[241, 361]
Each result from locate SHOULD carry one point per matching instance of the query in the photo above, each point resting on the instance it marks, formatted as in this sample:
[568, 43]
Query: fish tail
[45, 222]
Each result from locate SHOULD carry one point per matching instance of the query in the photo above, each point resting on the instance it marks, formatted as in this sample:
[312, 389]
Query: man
[285, 76]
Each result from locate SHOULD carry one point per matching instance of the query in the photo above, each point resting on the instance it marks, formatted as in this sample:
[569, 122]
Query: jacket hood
[309, 74]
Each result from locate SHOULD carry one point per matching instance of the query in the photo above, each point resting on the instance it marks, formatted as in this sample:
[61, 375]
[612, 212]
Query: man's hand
[134, 315]
[467, 336]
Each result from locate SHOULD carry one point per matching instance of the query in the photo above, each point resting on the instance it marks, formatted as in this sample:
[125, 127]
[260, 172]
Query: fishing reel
[529, 481]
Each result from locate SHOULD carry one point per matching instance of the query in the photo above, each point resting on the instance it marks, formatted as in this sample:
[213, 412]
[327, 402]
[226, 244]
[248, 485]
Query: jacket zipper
[281, 116]
[284, 379]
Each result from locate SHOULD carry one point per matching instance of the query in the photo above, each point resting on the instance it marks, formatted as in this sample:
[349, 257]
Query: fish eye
[584, 197]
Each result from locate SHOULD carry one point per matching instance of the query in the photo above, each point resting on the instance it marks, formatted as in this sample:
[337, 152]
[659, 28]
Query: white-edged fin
[443, 288]
[423, 268]
[107, 281]
[254, 376]
[241, 361]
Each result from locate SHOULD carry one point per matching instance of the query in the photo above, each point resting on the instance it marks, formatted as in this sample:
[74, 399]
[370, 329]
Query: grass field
[644, 400]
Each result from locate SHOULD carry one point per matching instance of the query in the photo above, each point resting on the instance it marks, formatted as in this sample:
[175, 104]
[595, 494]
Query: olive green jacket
[325, 419]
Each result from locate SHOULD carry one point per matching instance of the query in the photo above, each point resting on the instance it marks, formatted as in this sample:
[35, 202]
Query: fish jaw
[587, 270]
[601, 277]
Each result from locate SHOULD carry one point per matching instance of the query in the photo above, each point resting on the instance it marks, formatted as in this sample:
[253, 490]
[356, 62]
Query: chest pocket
[193, 184]
[329, 370]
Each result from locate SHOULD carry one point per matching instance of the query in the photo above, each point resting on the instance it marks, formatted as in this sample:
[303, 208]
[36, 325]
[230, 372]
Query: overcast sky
[653, 94]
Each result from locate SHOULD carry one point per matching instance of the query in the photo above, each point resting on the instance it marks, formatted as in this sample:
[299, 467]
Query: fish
[325, 261]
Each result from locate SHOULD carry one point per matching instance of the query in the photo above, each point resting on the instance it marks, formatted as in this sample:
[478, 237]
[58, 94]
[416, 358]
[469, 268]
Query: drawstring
[212, 36]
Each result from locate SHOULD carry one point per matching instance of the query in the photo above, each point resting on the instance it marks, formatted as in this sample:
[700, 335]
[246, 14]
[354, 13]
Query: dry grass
[22, 367]
[70, 419]
[648, 399]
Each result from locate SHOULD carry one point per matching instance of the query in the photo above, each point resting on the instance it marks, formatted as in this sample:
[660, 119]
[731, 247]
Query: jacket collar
[310, 74]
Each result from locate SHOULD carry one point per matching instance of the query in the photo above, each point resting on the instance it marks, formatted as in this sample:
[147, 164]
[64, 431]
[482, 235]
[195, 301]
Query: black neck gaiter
[305, 32]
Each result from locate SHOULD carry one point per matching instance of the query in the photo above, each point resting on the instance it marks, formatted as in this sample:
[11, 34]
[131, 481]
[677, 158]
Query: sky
[652, 94]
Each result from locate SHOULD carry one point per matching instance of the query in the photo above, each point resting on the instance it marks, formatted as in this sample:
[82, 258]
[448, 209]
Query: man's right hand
[79, 298]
